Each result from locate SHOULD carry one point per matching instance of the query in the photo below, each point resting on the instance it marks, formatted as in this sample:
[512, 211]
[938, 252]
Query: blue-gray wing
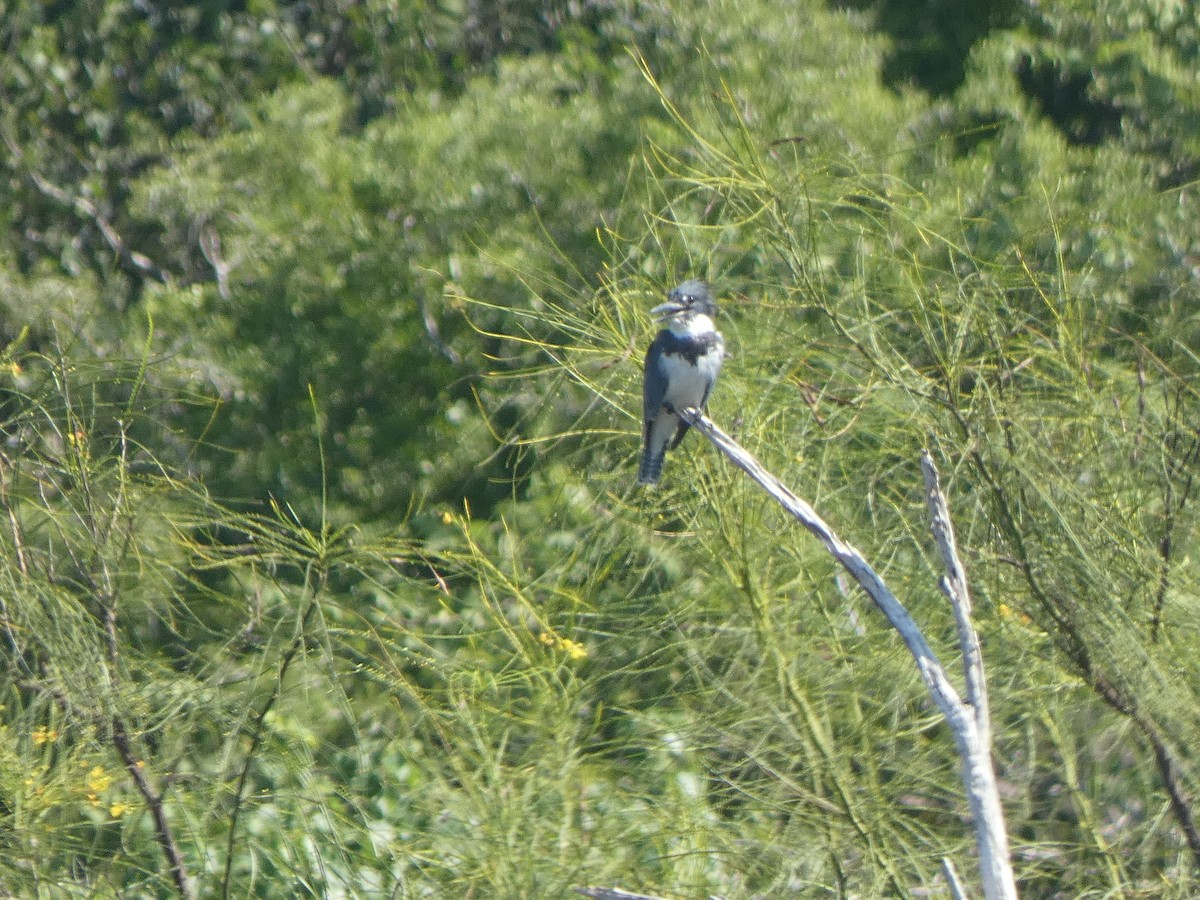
[654, 380]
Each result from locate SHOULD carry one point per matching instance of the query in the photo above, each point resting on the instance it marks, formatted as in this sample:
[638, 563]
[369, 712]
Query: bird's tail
[652, 463]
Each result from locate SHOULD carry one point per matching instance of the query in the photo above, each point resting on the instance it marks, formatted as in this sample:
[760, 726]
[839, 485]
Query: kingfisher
[681, 369]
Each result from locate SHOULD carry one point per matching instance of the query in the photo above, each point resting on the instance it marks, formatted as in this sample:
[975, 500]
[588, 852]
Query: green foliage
[334, 243]
[322, 565]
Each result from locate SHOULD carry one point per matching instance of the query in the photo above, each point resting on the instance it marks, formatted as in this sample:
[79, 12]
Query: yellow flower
[573, 649]
[98, 781]
[119, 809]
[447, 518]
[43, 735]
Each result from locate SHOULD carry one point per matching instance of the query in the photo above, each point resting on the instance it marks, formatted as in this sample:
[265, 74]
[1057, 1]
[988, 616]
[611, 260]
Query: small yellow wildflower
[98, 780]
[119, 809]
[574, 649]
[447, 518]
[43, 735]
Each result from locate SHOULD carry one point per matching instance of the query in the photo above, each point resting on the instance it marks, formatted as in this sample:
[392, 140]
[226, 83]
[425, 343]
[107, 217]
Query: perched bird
[681, 369]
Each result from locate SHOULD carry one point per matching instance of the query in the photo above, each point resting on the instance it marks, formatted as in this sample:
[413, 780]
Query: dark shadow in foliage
[1066, 98]
[933, 38]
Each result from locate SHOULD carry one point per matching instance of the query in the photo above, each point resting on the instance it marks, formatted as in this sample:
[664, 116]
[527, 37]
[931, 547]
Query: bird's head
[688, 299]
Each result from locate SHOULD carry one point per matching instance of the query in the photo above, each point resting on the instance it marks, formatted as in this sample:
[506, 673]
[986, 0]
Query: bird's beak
[664, 311]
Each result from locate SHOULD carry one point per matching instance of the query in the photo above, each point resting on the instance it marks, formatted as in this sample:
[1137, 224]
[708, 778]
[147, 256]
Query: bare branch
[433, 332]
[932, 672]
[88, 210]
[210, 247]
[957, 892]
[979, 777]
[154, 803]
[954, 586]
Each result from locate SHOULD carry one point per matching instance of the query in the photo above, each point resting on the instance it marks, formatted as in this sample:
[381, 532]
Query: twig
[954, 586]
[256, 734]
[104, 530]
[955, 884]
[210, 247]
[86, 208]
[18, 536]
[1164, 758]
[90, 211]
[154, 802]
[1067, 637]
[979, 778]
[433, 332]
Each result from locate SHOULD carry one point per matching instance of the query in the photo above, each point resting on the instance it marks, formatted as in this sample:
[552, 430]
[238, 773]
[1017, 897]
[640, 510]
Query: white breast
[687, 383]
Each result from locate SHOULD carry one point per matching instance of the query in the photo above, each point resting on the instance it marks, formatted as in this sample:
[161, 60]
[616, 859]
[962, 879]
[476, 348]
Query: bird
[680, 370]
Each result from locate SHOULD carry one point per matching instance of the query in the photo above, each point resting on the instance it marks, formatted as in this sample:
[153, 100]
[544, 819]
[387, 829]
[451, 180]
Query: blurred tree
[450, 228]
[338, 259]
[95, 91]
